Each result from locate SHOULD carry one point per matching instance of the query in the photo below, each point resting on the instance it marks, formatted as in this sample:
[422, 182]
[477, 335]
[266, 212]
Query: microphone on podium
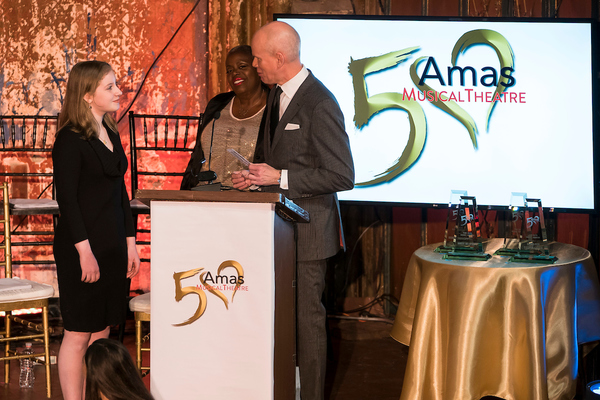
[209, 175]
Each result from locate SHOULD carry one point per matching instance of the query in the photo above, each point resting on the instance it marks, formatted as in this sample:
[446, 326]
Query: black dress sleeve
[67, 161]
[125, 205]
[129, 228]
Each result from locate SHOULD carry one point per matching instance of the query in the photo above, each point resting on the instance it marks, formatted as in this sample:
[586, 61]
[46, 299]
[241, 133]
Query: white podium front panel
[213, 259]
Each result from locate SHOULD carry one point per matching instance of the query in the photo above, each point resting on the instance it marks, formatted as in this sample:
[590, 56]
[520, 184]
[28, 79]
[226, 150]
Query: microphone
[209, 175]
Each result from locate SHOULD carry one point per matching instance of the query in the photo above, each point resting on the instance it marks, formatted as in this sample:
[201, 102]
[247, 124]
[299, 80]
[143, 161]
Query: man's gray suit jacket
[311, 143]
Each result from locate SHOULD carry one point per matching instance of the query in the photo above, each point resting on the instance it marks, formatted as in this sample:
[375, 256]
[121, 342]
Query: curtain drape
[232, 23]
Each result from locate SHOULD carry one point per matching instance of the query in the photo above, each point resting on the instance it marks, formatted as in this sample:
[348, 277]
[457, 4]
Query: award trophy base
[533, 259]
[458, 249]
[471, 254]
[444, 249]
[512, 252]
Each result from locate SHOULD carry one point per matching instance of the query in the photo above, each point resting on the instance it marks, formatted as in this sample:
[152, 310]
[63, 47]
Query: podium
[223, 294]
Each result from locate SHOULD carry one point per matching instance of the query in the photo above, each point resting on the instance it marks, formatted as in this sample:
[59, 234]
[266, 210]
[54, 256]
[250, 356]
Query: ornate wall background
[41, 40]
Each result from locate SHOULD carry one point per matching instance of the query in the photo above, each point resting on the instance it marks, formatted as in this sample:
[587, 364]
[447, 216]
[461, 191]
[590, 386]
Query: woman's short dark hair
[243, 48]
[110, 371]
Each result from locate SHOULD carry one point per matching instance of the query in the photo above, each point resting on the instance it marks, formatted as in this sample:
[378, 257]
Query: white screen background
[542, 147]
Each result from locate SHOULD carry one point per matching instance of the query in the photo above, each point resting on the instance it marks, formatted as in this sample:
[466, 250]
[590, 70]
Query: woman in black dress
[94, 243]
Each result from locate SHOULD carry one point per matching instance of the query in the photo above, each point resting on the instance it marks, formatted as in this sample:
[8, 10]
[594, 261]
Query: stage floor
[364, 363]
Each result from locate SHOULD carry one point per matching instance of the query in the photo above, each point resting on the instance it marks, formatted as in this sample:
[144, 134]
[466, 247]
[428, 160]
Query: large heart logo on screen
[365, 106]
[505, 56]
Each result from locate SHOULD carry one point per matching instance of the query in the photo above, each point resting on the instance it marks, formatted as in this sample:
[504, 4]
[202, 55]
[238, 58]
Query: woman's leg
[93, 337]
[99, 335]
[70, 363]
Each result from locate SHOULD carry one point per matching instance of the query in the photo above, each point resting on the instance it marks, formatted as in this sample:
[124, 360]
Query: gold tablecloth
[496, 328]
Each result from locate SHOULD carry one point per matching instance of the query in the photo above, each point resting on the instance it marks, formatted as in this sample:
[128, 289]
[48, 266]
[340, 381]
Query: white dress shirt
[288, 90]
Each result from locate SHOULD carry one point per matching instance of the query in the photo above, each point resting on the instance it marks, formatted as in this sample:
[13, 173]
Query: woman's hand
[133, 259]
[90, 272]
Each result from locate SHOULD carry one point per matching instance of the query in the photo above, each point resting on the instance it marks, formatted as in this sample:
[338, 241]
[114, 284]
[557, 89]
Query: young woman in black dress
[94, 243]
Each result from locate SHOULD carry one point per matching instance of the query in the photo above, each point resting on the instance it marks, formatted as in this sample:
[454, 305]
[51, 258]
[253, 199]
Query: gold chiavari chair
[140, 305]
[17, 294]
[28, 141]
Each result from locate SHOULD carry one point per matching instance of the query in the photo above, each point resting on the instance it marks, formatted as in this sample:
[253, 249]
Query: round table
[496, 328]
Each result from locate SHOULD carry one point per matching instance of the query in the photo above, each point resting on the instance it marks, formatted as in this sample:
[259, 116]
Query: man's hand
[240, 179]
[263, 175]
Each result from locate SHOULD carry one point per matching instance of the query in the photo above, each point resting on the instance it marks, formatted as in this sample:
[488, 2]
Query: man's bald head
[276, 50]
[280, 37]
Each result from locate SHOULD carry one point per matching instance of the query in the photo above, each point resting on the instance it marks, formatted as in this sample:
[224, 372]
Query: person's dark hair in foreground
[111, 374]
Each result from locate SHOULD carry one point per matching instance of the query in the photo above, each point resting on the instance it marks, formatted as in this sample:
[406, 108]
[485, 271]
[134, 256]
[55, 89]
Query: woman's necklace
[244, 111]
[100, 137]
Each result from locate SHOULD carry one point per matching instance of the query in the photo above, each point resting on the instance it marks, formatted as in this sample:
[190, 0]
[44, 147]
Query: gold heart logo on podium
[181, 292]
[225, 264]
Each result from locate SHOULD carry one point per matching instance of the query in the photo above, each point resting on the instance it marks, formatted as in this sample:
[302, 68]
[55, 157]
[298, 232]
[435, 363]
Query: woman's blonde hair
[84, 78]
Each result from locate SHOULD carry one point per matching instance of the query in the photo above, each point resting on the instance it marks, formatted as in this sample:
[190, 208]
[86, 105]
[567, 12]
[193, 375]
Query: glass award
[463, 239]
[512, 225]
[533, 244]
[451, 220]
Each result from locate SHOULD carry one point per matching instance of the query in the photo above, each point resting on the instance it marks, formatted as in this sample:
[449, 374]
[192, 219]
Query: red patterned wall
[40, 41]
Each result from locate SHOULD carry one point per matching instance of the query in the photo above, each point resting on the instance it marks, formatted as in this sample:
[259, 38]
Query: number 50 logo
[365, 106]
[181, 292]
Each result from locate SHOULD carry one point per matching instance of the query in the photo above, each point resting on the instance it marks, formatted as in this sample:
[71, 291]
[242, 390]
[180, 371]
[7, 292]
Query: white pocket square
[291, 127]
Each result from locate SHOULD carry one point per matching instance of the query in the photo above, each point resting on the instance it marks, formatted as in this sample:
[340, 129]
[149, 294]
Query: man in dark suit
[308, 159]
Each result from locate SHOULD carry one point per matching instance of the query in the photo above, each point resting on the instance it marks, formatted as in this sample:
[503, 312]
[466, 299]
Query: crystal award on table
[512, 225]
[451, 220]
[533, 244]
[462, 240]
